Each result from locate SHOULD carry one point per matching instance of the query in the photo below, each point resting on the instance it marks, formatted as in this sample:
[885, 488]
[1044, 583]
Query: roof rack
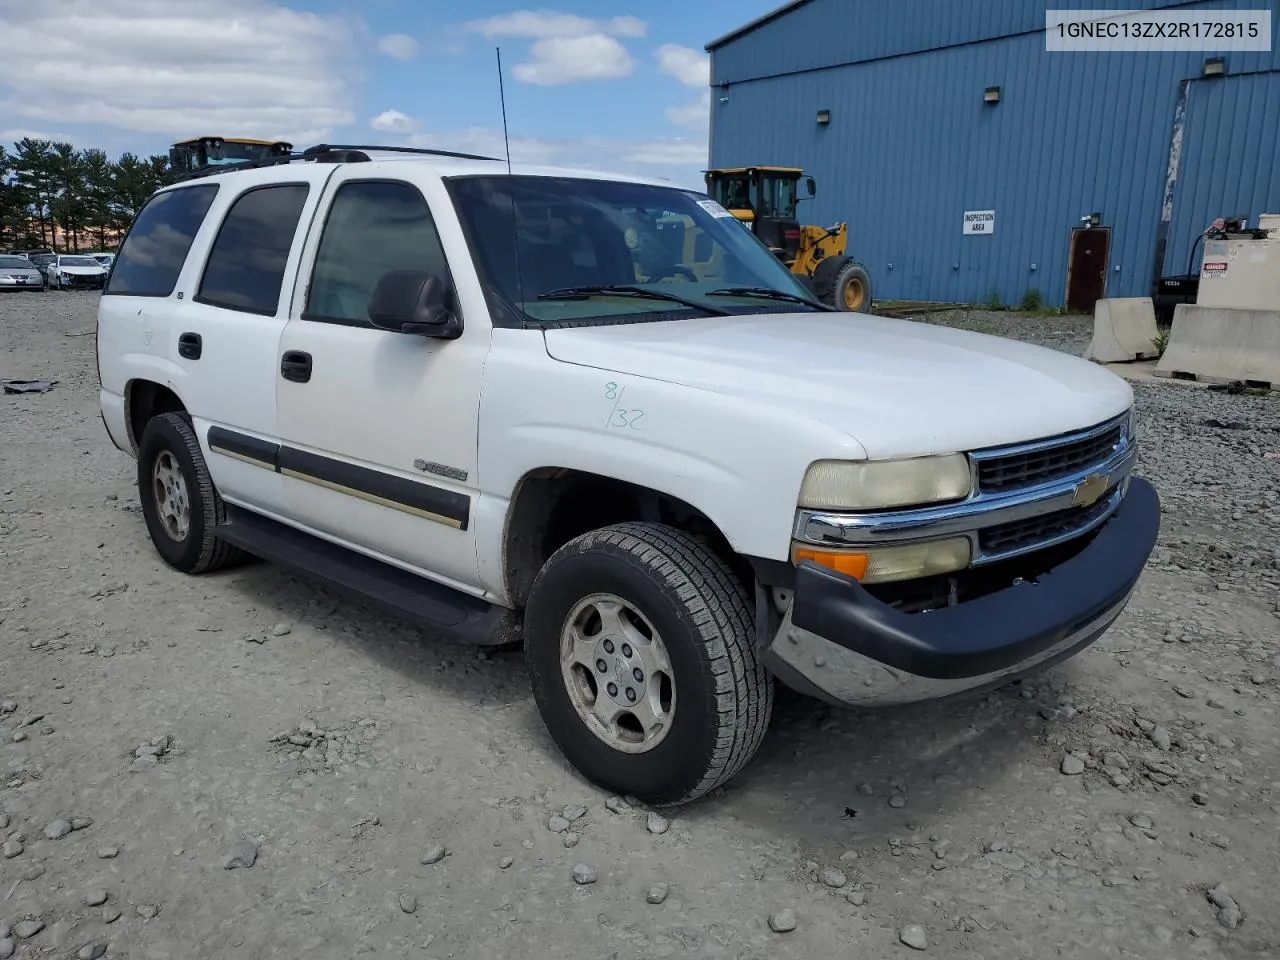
[322, 147]
[325, 153]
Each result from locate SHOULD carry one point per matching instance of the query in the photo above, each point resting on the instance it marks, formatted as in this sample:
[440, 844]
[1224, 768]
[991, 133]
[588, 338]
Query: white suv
[594, 411]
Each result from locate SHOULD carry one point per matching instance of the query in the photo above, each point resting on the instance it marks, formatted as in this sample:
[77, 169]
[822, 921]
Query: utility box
[1241, 272]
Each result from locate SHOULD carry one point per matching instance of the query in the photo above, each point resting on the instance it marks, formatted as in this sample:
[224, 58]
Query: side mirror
[813, 187]
[410, 301]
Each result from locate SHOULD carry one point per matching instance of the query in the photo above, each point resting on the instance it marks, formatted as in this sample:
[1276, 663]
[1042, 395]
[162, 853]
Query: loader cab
[764, 199]
[188, 156]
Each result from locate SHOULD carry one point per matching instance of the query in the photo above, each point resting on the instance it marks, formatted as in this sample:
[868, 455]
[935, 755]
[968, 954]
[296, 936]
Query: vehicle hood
[82, 271]
[898, 387]
[19, 272]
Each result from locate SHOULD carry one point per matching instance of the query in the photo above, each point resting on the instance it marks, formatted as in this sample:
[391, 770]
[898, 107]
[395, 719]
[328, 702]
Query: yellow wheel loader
[189, 156]
[764, 199]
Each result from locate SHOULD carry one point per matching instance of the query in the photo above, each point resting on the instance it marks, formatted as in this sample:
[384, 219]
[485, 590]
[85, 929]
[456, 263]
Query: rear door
[226, 332]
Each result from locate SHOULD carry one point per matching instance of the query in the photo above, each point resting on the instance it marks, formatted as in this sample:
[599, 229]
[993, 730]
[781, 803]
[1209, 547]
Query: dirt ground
[1127, 804]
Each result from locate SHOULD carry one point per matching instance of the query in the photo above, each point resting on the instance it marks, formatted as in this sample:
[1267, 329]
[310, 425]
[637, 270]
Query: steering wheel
[674, 270]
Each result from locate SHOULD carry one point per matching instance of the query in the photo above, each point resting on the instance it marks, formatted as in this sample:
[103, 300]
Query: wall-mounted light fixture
[992, 95]
[824, 116]
[1215, 67]
[724, 91]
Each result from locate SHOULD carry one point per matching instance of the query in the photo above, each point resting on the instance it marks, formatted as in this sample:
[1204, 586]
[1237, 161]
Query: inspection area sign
[979, 223]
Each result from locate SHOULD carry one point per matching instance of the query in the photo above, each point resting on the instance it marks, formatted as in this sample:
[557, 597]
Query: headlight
[882, 484]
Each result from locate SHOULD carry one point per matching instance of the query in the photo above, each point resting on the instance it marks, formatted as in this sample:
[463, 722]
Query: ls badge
[1090, 490]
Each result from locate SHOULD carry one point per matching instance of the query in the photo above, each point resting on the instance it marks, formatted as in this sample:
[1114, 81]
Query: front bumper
[21, 283]
[841, 644]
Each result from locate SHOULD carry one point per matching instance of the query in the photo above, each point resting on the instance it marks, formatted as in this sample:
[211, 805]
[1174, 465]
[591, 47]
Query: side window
[373, 226]
[246, 265]
[158, 242]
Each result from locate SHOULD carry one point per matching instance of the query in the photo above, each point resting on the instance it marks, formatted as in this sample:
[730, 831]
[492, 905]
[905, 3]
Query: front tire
[852, 289]
[638, 641]
[179, 502]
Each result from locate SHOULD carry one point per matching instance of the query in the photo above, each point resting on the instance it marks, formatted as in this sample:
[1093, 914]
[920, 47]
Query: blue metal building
[890, 106]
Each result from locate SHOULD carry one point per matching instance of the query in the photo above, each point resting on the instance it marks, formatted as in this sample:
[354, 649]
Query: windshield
[78, 262]
[15, 263]
[575, 233]
[777, 197]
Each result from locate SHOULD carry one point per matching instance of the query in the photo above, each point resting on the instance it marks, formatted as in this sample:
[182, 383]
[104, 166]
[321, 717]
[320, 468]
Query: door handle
[190, 346]
[296, 366]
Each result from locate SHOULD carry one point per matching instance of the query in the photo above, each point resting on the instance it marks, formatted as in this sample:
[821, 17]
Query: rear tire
[179, 502]
[646, 603]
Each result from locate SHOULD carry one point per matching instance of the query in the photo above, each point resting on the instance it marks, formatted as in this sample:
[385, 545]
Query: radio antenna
[511, 195]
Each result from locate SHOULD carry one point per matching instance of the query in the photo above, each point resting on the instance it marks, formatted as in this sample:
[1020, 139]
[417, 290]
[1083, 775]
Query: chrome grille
[1009, 538]
[1044, 463]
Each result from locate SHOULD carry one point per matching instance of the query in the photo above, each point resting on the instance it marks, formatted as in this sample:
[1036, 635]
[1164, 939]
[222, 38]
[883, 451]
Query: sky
[615, 85]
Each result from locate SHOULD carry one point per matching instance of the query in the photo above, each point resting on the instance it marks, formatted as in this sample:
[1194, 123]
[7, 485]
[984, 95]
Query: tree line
[53, 195]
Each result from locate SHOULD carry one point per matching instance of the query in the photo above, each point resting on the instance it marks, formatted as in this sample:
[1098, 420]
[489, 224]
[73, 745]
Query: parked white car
[75, 271]
[454, 391]
[19, 273]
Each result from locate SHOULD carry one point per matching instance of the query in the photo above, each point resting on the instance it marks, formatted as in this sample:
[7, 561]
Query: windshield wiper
[768, 293]
[625, 290]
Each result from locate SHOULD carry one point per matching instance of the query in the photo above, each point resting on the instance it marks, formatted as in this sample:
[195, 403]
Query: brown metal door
[1087, 267]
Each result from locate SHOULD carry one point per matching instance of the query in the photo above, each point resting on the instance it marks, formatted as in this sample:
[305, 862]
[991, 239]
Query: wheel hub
[617, 673]
[169, 489]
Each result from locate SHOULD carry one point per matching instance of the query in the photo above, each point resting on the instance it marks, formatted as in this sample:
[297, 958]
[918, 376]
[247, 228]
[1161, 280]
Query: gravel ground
[240, 766]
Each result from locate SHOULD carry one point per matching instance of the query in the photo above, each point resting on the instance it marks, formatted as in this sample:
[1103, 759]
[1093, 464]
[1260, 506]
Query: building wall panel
[911, 146]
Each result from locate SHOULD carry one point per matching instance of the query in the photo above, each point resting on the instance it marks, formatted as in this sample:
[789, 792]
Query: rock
[408, 902]
[5, 932]
[8, 706]
[110, 914]
[1199, 798]
[571, 839]
[91, 951]
[148, 911]
[433, 854]
[4, 820]
[7, 948]
[583, 874]
[58, 829]
[657, 893]
[856, 897]
[1141, 821]
[12, 848]
[108, 852]
[897, 801]
[280, 630]
[616, 805]
[835, 879]
[658, 824]
[574, 811]
[1071, 765]
[505, 863]
[1161, 738]
[96, 898]
[1230, 916]
[914, 936]
[26, 929]
[1116, 760]
[557, 823]
[81, 823]
[19, 736]
[784, 921]
[243, 854]
[33, 873]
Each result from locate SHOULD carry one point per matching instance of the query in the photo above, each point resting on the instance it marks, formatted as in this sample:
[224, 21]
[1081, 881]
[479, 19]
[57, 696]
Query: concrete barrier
[1221, 343]
[1124, 329]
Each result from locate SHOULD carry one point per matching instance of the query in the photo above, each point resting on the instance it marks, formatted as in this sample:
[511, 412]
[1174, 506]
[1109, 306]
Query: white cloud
[560, 60]
[9, 137]
[393, 121]
[695, 115]
[546, 24]
[691, 67]
[401, 46]
[224, 67]
[566, 48]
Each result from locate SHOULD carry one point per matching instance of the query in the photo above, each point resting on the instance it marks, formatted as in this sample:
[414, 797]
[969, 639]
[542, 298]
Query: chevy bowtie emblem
[1089, 490]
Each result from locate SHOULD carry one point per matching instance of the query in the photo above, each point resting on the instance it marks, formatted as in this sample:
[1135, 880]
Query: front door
[378, 429]
[1087, 267]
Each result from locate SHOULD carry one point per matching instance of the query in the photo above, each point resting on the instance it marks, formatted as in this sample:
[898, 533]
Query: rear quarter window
[153, 253]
